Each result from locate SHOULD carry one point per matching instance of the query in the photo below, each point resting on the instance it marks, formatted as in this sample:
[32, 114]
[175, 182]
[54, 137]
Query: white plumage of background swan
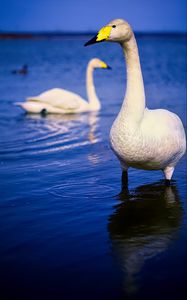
[61, 101]
[141, 138]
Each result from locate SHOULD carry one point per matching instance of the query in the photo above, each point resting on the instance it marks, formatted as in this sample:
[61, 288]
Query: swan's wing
[162, 123]
[40, 107]
[60, 98]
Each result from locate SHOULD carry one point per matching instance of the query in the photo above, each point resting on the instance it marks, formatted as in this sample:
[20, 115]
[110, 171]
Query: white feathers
[61, 101]
[143, 138]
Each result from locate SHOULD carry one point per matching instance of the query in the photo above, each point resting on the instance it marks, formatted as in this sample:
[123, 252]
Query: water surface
[66, 231]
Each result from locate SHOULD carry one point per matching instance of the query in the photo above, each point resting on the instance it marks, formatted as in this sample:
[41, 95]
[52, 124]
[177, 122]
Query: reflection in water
[34, 134]
[63, 132]
[143, 226]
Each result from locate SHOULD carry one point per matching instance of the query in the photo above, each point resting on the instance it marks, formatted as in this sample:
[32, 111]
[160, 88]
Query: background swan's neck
[92, 96]
[134, 103]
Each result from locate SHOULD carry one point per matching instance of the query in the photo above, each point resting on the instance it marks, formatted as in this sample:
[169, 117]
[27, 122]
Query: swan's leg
[168, 172]
[124, 180]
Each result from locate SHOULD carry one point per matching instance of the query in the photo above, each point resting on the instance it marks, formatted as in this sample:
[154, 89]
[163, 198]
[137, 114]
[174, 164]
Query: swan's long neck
[92, 96]
[134, 103]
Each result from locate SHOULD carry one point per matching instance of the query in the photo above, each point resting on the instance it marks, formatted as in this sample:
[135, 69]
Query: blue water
[66, 232]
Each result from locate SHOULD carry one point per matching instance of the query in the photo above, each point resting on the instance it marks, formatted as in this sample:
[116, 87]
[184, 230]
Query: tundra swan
[141, 138]
[61, 101]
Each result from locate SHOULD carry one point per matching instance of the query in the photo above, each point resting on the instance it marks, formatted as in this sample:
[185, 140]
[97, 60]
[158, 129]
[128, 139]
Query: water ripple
[51, 134]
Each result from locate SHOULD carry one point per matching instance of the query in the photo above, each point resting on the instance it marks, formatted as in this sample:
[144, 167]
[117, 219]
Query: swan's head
[117, 30]
[97, 63]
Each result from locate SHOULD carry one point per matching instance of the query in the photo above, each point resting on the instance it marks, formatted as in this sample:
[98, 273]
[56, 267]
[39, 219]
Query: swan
[61, 101]
[140, 137]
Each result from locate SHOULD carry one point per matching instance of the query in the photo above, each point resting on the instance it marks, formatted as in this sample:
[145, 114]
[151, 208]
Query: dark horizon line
[48, 34]
[61, 32]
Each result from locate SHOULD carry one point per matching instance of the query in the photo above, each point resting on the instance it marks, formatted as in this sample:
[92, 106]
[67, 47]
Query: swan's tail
[21, 104]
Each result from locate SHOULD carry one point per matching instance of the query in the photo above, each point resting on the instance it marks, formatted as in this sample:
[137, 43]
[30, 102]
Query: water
[66, 232]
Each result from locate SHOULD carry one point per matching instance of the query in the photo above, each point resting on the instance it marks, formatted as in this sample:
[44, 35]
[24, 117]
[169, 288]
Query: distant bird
[65, 102]
[23, 70]
[141, 138]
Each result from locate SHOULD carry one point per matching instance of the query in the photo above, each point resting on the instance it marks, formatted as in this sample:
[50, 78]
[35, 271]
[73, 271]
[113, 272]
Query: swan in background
[141, 138]
[61, 101]
[23, 70]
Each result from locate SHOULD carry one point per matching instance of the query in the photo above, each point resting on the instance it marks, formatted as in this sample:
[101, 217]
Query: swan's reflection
[62, 132]
[143, 225]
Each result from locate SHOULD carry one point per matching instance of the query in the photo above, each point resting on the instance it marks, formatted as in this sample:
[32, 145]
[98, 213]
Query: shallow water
[66, 232]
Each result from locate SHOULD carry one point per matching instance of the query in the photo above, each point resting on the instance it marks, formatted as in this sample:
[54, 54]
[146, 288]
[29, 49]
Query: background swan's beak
[92, 41]
[108, 67]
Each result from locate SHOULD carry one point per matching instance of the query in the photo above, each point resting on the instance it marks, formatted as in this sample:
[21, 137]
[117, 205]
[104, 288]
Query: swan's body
[62, 101]
[141, 138]
[55, 101]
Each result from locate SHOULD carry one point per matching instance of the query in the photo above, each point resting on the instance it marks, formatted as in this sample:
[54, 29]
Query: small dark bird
[23, 70]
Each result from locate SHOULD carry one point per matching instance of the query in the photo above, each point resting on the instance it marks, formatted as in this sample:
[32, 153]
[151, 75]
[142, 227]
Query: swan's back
[60, 98]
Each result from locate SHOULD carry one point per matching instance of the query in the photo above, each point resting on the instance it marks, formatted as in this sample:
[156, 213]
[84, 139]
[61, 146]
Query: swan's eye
[113, 26]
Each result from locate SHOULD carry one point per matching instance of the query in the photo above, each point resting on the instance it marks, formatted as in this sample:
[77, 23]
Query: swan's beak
[105, 66]
[102, 36]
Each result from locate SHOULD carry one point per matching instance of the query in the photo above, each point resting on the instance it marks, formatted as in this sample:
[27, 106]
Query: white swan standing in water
[141, 138]
[61, 101]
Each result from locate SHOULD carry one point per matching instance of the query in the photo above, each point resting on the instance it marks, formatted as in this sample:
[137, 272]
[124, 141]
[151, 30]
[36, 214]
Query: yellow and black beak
[105, 66]
[92, 41]
[102, 36]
